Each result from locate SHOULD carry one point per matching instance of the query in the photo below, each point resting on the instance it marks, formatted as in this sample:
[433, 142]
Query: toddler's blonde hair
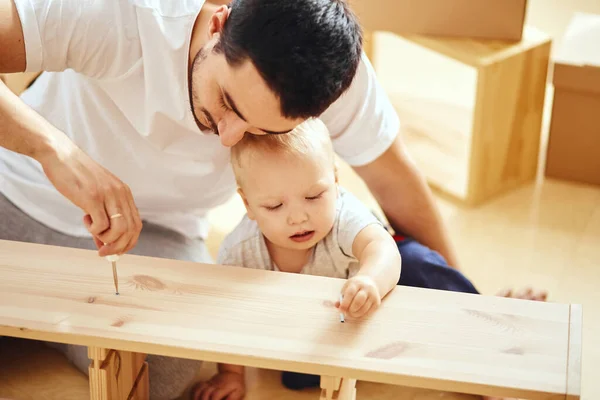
[306, 140]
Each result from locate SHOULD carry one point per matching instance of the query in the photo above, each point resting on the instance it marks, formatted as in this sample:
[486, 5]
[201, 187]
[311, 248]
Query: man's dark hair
[307, 51]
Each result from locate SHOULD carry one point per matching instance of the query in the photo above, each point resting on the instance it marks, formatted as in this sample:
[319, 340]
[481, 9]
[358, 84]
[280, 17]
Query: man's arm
[74, 174]
[406, 199]
[12, 56]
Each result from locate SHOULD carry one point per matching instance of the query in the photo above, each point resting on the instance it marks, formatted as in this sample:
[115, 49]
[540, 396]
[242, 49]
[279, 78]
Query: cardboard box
[481, 19]
[574, 143]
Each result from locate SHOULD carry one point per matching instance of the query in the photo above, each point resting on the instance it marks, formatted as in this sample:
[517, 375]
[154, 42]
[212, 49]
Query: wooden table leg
[117, 375]
[335, 388]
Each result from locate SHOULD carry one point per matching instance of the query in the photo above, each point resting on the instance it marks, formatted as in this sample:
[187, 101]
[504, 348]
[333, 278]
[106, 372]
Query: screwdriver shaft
[115, 278]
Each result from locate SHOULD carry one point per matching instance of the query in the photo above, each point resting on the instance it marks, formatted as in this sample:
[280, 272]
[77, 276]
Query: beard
[193, 97]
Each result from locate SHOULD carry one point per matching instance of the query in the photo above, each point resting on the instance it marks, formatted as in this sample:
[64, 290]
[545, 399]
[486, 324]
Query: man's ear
[217, 21]
[245, 200]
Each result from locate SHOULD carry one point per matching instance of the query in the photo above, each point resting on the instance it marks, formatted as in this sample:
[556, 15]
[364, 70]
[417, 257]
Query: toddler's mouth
[302, 236]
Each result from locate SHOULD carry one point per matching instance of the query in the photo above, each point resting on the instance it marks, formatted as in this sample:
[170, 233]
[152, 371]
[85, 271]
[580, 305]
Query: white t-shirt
[332, 256]
[118, 88]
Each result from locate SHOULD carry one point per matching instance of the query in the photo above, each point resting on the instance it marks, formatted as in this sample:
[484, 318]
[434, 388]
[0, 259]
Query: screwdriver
[113, 260]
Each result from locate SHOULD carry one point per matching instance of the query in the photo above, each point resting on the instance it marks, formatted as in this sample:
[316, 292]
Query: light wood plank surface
[419, 338]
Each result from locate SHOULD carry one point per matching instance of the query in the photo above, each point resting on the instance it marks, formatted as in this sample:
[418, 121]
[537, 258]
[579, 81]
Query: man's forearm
[24, 131]
[407, 200]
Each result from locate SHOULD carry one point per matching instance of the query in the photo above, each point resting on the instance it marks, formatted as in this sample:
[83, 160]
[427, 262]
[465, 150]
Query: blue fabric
[425, 268]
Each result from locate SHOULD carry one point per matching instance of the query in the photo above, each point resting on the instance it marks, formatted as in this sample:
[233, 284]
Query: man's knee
[425, 268]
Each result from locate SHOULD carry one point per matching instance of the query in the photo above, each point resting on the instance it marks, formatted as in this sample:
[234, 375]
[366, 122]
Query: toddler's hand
[223, 386]
[360, 296]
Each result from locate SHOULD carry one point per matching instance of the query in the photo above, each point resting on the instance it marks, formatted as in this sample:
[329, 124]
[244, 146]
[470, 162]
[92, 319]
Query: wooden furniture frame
[473, 155]
[421, 338]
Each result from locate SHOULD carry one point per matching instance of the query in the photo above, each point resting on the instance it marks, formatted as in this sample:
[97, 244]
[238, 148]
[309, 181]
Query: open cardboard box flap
[577, 63]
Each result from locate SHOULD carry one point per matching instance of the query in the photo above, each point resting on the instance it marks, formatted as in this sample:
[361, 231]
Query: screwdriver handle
[112, 258]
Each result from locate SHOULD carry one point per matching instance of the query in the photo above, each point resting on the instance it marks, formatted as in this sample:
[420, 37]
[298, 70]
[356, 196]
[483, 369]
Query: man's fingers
[117, 247]
[99, 244]
[136, 226]
[207, 392]
[119, 234]
[221, 393]
[98, 220]
[237, 394]
[197, 395]
[87, 221]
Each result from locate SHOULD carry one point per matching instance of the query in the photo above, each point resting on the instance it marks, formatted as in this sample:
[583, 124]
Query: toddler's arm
[380, 265]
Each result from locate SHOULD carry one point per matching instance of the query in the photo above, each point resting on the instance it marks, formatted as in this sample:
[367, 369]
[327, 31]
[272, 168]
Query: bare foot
[527, 293]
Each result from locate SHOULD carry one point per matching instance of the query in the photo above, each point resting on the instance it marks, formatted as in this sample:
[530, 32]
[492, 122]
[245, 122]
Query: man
[137, 106]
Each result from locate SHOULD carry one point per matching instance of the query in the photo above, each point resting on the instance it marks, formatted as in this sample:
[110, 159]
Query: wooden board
[419, 338]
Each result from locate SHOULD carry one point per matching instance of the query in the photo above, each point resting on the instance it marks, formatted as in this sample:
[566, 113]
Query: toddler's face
[292, 198]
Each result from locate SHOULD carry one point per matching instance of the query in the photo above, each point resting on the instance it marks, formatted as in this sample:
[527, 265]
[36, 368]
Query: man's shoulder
[170, 8]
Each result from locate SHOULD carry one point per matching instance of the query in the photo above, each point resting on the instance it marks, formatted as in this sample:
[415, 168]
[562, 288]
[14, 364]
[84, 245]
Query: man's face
[232, 101]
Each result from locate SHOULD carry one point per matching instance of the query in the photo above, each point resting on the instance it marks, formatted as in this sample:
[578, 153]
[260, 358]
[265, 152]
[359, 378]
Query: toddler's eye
[315, 197]
[272, 208]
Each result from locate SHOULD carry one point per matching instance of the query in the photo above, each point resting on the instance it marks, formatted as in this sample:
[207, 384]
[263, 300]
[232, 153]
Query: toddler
[299, 220]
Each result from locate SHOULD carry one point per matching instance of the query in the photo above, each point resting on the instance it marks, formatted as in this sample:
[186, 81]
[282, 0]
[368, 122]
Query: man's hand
[226, 385]
[111, 214]
[360, 296]
[75, 175]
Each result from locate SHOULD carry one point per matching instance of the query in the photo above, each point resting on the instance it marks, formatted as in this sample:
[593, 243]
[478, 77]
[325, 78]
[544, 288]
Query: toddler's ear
[245, 200]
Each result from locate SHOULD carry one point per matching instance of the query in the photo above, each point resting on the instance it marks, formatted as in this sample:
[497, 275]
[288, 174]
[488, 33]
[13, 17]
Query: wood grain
[116, 375]
[419, 338]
